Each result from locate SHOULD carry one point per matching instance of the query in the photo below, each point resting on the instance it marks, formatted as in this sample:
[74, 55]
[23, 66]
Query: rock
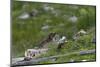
[47, 8]
[50, 9]
[72, 60]
[94, 40]
[32, 53]
[81, 53]
[73, 19]
[33, 13]
[54, 59]
[45, 27]
[82, 32]
[56, 13]
[78, 34]
[83, 60]
[25, 15]
[14, 60]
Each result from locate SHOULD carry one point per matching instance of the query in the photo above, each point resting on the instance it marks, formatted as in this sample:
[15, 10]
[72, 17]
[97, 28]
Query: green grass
[28, 34]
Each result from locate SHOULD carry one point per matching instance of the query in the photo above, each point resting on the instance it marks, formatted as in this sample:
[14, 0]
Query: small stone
[53, 60]
[73, 19]
[71, 60]
[81, 53]
[83, 60]
[47, 8]
[24, 16]
[46, 27]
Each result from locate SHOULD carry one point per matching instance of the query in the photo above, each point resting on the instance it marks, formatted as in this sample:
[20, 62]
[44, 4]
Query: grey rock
[72, 60]
[73, 19]
[24, 16]
[45, 27]
[46, 7]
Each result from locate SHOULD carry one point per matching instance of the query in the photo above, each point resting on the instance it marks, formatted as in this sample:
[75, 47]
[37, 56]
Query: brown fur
[48, 39]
